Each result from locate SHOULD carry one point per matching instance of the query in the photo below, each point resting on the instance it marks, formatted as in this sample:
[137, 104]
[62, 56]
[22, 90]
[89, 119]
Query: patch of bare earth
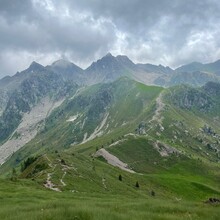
[97, 132]
[50, 185]
[113, 160]
[164, 149]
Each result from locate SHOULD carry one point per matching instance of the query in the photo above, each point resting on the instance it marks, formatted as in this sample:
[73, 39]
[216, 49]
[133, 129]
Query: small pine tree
[63, 161]
[137, 184]
[120, 177]
[152, 193]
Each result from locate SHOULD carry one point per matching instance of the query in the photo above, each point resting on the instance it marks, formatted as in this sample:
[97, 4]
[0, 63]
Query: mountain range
[109, 68]
[117, 131]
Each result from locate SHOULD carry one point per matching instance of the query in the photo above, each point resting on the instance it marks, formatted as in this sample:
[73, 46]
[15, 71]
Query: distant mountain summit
[155, 68]
[191, 67]
[196, 66]
[35, 67]
[65, 65]
[108, 68]
[62, 63]
[68, 70]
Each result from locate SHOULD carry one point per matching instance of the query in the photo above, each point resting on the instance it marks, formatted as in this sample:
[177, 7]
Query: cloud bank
[169, 32]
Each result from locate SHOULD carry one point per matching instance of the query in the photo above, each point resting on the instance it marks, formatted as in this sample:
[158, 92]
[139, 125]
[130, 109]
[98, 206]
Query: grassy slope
[31, 202]
[177, 173]
[41, 204]
[176, 197]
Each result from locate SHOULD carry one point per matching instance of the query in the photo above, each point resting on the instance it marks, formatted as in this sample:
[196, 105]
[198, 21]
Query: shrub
[63, 162]
[120, 177]
[152, 193]
[27, 163]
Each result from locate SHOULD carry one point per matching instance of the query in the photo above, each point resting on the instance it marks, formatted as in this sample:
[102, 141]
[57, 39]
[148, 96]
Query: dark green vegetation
[168, 137]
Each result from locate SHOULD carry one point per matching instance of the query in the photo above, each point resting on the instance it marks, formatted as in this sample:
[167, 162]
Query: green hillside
[121, 150]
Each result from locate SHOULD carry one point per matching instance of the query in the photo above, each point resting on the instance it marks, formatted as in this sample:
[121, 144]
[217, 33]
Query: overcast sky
[168, 32]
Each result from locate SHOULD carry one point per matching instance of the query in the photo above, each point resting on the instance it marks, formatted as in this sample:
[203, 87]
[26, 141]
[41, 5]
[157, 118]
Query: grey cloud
[139, 14]
[168, 23]
[78, 35]
[17, 10]
[171, 32]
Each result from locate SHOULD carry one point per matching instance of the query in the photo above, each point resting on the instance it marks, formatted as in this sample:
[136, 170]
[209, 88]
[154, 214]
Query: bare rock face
[191, 98]
[212, 88]
[32, 121]
[25, 90]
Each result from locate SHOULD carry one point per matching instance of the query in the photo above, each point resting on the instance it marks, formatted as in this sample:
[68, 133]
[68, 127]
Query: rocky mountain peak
[62, 63]
[108, 55]
[35, 66]
[123, 58]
